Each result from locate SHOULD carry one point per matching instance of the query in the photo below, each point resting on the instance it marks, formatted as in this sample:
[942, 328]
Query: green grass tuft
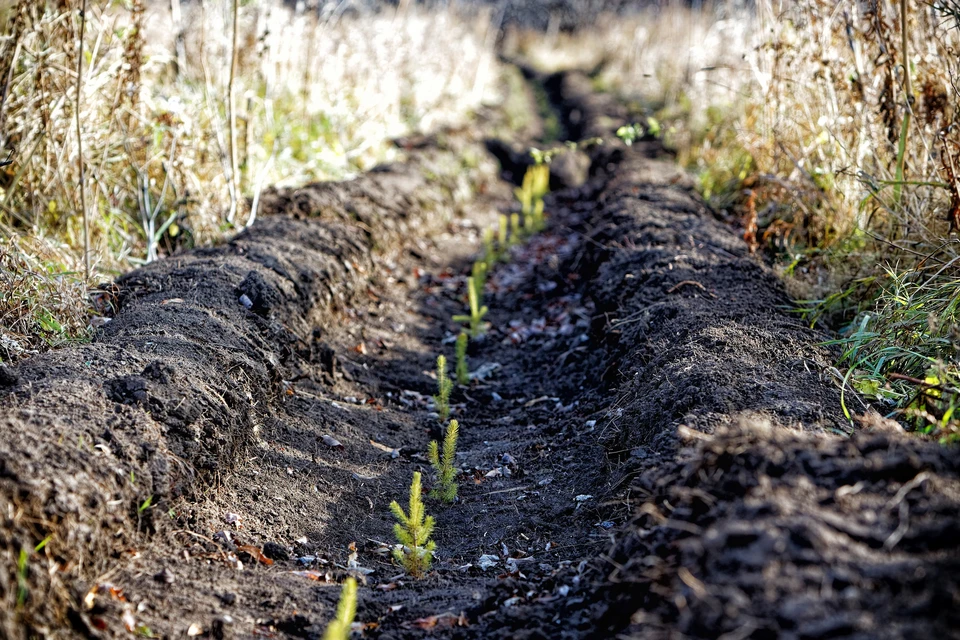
[903, 354]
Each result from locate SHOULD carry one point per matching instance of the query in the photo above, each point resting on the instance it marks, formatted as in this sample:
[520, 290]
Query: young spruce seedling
[444, 387]
[446, 488]
[516, 233]
[536, 184]
[489, 250]
[476, 311]
[339, 627]
[463, 373]
[413, 533]
[503, 238]
[479, 274]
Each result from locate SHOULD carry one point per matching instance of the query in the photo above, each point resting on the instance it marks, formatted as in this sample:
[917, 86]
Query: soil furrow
[101, 439]
[652, 445]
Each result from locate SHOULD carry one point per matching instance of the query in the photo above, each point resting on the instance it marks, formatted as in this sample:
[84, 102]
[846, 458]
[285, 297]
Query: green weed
[903, 354]
[22, 575]
[413, 532]
[629, 133]
[446, 489]
[23, 570]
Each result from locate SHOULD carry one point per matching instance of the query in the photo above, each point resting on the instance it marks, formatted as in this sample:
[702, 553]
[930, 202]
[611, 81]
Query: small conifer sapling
[463, 373]
[479, 275]
[339, 627]
[524, 192]
[475, 319]
[444, 387]
[515, 231]
[502, 238]
[413, 531]
[446, 488]
[489, 250]
[541, 181]
[539, 222]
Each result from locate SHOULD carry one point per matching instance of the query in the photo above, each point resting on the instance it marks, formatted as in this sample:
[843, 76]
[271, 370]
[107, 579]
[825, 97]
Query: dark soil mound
[765, 532]
[702, 330]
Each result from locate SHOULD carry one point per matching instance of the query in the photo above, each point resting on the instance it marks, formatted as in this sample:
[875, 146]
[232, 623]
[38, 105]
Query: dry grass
[317, 97]
[798, 108]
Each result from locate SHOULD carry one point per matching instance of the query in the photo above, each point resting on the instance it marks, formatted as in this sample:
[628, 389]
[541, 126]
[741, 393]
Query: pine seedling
[538, 221]
[446, 488]
[530, 222]
[413, 533]
[489, 250]
[540, 185]
[339, 627]
[524, 192]
[536, 184]
[540, 180]
[502, 238]
[463, 373]
[479, 274]
[515, 231]
[444, 387]
[476, 311]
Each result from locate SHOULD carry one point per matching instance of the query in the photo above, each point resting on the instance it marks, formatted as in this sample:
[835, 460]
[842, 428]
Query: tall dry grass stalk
[80, 165]
[159, 139]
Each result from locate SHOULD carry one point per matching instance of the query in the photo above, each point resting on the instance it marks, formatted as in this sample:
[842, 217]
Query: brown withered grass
[318, 97]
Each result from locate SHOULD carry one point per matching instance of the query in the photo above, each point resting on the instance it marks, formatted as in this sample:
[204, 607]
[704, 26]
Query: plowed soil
[652, 445]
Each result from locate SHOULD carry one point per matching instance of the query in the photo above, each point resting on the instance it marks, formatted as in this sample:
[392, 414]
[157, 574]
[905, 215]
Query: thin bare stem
[232, 115]
[908, 108]
[83, 190]
[180, 55]
[907, 87]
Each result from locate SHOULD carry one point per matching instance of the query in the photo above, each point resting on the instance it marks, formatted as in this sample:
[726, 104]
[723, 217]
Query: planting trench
[654, 446]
